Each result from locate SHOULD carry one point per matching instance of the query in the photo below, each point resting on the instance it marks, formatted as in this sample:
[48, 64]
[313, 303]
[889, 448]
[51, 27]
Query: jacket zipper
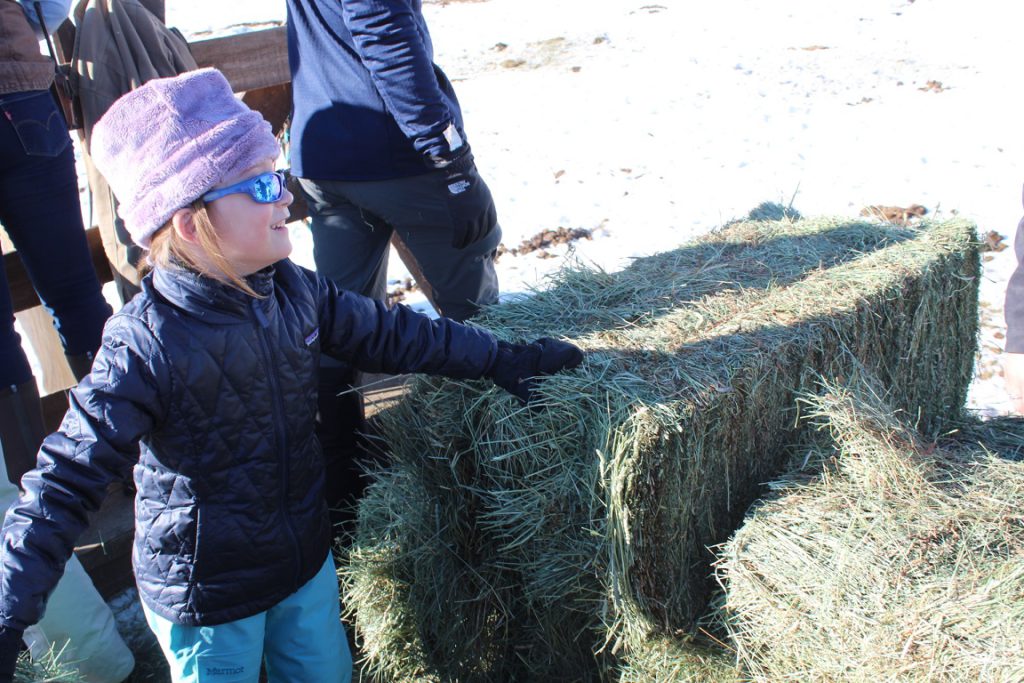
[280, 435]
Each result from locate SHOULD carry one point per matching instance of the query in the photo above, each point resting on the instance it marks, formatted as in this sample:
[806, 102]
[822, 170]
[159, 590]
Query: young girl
[206, 384]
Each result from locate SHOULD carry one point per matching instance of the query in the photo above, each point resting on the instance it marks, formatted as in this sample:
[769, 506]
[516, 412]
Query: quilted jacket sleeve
[97, 443]
[393, 48]
[399, 340]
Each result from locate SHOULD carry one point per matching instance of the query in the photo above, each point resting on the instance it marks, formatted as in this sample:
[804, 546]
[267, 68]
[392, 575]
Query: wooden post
[55, 375]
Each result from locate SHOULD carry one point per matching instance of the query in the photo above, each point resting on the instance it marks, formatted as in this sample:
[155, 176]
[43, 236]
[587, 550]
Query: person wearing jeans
[40, 210]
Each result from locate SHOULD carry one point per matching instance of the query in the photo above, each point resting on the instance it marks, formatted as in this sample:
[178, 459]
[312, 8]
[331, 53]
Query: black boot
[80, 364]
[21, 428]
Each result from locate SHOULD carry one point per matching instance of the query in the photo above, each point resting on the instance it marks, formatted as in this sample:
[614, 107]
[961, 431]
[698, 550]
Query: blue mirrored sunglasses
[266, 188]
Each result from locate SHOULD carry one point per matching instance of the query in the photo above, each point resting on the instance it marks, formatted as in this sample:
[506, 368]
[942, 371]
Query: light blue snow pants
[300, 639]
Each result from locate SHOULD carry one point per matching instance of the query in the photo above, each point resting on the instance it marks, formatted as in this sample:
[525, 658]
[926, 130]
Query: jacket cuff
[442, 149]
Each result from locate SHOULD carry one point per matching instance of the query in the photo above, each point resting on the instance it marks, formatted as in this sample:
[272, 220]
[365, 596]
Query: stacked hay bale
[904, 561]
[549, 542]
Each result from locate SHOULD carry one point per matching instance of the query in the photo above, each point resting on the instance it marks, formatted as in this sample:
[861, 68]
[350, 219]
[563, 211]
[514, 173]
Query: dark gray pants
[352, 223]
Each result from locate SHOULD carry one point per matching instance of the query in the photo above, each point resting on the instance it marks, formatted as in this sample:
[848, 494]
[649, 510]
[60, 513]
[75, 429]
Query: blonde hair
[168, 249]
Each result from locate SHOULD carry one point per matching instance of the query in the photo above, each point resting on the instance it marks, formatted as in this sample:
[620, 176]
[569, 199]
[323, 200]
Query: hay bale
[904, 561]
[508, 543]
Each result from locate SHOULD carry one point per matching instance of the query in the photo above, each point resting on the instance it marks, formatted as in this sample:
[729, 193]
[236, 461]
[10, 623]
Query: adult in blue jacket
[379, 146]
[378, 141]
[40, 211]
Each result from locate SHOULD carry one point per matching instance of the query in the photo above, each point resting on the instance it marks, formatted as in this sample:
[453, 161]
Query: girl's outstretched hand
[516, 365]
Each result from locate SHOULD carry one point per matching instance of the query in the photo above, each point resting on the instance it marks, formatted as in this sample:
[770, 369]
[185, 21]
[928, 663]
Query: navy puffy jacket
[369, 103]
[219, 390]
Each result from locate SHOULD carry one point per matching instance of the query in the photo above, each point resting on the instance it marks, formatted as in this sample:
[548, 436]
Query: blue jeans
[300, 639]
[40, 210]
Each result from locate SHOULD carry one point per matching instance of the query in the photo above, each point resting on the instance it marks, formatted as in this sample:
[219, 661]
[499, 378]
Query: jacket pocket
[37, 123]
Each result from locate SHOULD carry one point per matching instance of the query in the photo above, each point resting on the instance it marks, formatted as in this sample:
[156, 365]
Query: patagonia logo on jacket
[312, 336]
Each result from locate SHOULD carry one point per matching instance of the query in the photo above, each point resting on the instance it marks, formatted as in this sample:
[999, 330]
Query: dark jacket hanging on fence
[230, 511]
[119, 46]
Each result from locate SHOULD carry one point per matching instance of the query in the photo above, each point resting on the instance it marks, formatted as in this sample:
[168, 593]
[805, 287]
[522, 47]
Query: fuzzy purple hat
[166, 143]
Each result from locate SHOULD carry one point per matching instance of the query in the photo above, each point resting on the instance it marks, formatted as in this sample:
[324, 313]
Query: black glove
[469, 201]
[516, 365]
[10, 648]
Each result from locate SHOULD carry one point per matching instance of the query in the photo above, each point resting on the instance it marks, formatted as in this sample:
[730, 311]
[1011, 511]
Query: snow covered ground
[651, 122]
